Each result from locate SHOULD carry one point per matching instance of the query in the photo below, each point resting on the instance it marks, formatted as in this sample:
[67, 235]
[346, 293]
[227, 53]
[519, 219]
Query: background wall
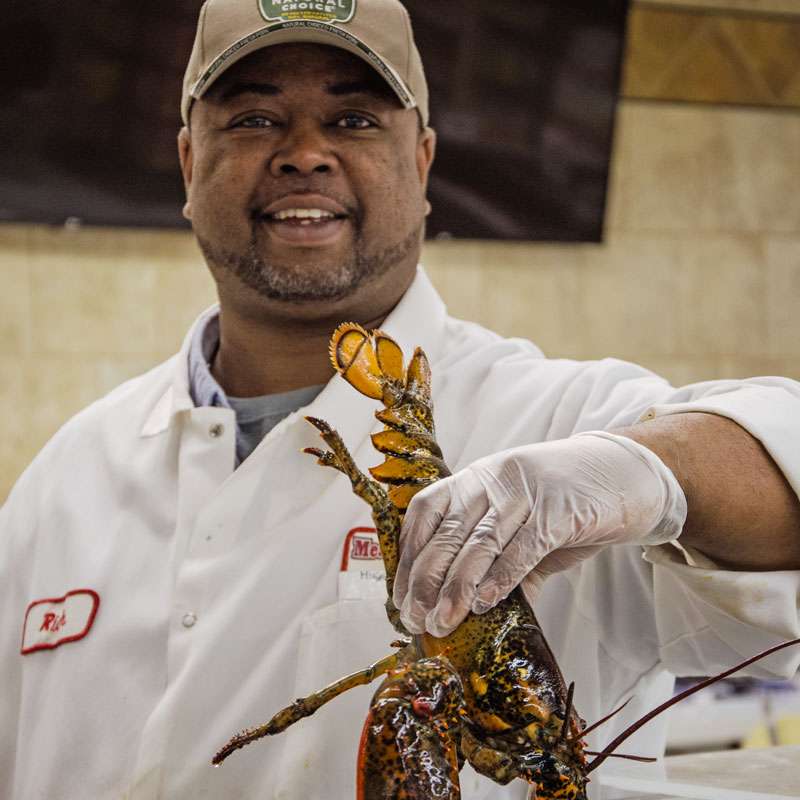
[698, 276]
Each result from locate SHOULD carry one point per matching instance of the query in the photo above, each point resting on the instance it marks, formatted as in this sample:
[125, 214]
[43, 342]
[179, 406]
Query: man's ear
[186, 159]
[426, 148]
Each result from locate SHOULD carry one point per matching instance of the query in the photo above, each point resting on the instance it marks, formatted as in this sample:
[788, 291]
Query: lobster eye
[423, 706]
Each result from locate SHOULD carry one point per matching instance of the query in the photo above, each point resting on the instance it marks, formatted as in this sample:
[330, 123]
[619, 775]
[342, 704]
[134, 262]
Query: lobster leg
[495, 764]
[306, 706]
[384, 513]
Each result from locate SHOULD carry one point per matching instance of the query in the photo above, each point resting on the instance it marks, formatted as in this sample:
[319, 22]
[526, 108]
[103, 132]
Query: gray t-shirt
[257, 416]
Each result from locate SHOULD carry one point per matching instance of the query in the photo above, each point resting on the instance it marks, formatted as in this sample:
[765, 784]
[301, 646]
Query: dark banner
[522, 97]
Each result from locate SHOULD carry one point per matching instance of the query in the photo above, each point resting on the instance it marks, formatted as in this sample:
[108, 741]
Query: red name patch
[50, 623]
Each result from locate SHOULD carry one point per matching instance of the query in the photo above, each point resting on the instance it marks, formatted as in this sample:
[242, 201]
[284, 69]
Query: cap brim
[290, 32]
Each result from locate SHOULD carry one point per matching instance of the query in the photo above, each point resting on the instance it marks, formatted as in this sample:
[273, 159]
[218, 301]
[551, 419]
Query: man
[177, 569]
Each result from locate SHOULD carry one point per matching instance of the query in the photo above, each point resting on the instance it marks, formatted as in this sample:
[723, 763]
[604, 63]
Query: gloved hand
[521, 514]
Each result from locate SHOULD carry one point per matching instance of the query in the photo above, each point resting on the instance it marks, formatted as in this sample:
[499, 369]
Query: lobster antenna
[606, 718]
[562, 738]
[649, 759]
[677, 698]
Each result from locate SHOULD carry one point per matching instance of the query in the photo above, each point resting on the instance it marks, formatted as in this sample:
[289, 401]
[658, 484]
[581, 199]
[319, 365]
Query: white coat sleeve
[16, 555]
[706, 616]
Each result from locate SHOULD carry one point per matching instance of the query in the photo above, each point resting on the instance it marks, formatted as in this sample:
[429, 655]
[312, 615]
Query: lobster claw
[376, 372]
[406, 752]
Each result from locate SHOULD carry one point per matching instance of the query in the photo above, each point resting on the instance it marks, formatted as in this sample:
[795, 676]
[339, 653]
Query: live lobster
[491, 691]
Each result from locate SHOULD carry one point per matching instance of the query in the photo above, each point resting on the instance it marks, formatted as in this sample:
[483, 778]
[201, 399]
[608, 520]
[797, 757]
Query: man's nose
[304, 150]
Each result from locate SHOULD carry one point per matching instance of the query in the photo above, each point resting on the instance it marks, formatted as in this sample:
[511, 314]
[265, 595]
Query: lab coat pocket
[320, 752]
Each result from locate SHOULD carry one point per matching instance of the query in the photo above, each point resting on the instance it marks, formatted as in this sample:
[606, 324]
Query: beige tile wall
[82, 311]
[699, 276]
[786, 7]
[694, 54]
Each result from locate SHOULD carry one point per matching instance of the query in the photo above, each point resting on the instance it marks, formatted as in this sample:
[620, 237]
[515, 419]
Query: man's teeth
[305, 215]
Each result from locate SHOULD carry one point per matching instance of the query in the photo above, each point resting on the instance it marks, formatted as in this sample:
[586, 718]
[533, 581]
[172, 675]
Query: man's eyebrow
[376, 88]
[237, 89]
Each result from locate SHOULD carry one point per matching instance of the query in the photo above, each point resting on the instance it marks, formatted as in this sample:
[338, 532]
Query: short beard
[293, 283]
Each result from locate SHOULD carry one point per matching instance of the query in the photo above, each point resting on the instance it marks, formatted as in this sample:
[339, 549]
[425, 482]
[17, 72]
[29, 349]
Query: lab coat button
[215, 430]
[189, 620]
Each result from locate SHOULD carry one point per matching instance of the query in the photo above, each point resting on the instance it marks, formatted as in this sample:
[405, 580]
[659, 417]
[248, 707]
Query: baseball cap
[377, 31]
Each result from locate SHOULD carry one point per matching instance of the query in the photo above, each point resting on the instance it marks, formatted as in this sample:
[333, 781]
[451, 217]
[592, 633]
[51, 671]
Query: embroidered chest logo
[50, 623]
[317, 10]
[362, 574]
[364, 547]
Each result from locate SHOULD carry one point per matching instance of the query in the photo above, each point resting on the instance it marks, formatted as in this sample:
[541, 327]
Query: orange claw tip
[345, 344]
[389, 355]
[353, 356]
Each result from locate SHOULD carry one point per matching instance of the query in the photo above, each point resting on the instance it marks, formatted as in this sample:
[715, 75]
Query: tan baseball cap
[377, 31]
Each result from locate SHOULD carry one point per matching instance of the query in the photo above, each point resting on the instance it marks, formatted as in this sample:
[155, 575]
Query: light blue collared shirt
[255, 416]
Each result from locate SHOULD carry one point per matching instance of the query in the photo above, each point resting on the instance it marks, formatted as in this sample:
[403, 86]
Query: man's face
[305, 177]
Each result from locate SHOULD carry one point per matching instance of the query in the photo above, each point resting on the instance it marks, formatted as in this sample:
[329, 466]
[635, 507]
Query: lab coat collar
[177, 397]
[416, 321]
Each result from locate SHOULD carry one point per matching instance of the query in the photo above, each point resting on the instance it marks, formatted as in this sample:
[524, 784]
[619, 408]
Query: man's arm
[522, 514]
[741, 511]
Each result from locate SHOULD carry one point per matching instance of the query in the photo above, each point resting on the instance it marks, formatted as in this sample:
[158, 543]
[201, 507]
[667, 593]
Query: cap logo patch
[50, 623]
[327, 11]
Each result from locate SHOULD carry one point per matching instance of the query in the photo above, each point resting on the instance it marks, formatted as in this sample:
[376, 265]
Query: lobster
[491, 691]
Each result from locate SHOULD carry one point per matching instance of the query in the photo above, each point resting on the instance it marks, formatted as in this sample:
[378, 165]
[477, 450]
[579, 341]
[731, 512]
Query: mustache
[258, 203]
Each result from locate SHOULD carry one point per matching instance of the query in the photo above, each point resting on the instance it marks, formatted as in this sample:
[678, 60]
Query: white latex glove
[519, 515]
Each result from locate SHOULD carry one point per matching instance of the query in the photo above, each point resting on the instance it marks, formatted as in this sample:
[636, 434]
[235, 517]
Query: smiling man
[307, 195]
[174, 569]
[306, 171]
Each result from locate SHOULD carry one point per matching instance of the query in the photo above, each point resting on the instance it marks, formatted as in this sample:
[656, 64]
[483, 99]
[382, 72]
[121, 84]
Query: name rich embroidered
[57, 620]
[53, 622]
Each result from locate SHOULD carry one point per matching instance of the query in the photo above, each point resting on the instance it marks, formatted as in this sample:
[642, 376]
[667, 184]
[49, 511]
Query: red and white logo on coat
[360, 544]
[362, 574]
[50, 623]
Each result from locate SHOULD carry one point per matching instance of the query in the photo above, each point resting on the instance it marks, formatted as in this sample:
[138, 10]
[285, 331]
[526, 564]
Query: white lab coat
[219, 591]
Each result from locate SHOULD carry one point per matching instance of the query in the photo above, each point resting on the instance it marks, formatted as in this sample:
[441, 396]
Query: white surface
[772, 773]
[707, 722]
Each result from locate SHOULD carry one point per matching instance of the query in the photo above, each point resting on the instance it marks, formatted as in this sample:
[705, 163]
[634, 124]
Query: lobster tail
[373, 364]
[376, 372]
